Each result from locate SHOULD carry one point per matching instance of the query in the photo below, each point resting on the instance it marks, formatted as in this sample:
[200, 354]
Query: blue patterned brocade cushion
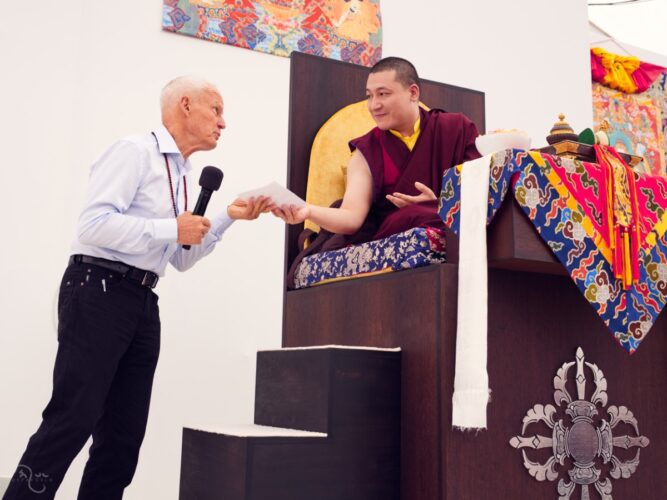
[416, 247]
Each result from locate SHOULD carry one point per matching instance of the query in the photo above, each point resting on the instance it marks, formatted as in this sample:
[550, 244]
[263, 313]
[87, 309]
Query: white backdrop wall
[77, 75]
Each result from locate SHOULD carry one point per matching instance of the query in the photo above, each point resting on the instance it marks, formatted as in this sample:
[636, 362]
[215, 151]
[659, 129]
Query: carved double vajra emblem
[585, 440]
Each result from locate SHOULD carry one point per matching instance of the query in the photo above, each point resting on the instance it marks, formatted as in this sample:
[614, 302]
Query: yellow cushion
[330, 154]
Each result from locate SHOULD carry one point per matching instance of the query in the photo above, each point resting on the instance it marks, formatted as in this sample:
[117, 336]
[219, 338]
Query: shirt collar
[167, 145]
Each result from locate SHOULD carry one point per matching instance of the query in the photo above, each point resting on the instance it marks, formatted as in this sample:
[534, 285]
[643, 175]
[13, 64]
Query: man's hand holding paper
[251, 204]
[274, 191]
[249, 209]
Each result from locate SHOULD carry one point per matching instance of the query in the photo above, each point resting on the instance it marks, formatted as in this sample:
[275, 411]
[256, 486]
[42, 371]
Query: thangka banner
[347, 30]
[631, 96]
[637, 122]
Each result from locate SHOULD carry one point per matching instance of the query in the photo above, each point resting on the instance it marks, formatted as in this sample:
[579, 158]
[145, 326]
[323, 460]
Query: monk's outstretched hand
[292, 214]
[403, 200]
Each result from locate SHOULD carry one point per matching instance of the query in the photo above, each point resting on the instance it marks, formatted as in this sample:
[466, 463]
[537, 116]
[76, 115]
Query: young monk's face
[391, 103]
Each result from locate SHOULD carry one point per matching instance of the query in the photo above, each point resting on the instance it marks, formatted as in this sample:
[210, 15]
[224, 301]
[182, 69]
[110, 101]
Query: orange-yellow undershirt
[410, 140]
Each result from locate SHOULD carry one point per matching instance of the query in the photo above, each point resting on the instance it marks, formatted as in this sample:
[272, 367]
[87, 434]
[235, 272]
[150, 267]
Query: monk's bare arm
[356, 202]
[352, 213]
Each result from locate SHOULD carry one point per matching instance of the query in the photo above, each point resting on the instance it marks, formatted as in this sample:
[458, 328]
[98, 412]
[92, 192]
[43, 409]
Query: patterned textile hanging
[631, 96]
[625, 73]
[347, 30]
[623, 235]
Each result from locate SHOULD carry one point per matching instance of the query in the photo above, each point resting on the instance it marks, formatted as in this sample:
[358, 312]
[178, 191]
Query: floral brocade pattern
[416, 247]
[563, 198]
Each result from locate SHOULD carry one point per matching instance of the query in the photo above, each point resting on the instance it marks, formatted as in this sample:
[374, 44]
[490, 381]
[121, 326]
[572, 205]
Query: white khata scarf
[471, 380]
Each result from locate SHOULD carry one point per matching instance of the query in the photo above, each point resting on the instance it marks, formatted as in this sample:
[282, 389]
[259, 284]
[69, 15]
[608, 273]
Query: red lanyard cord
[171, 188]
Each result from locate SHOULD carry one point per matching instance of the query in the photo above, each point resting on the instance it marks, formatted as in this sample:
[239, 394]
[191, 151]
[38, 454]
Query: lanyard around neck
[171, 188]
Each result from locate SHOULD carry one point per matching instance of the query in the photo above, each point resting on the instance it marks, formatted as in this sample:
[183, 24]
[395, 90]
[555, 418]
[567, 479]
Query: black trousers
[108, 347]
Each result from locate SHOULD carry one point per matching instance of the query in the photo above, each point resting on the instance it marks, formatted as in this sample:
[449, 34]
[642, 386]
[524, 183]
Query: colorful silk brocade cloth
[347, 30]
[566, 200]
[417, 247]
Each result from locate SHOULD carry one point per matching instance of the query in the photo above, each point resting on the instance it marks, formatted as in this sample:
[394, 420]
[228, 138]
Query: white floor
[4, 482]
[252, 430]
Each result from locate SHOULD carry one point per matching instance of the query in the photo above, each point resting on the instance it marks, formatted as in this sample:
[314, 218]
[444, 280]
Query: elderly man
[135, 220]
[396, 168]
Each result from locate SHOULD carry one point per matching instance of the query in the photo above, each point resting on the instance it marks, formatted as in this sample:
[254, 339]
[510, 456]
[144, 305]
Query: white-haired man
[135, 220]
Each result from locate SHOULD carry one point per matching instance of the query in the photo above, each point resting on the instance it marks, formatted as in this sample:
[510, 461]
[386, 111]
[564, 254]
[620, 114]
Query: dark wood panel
[512, 243]
[213, 469]
[359, 460]
[396, 310]
[292, 389]
[536, 323]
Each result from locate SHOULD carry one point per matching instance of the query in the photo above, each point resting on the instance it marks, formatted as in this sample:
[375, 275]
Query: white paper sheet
[278, 194]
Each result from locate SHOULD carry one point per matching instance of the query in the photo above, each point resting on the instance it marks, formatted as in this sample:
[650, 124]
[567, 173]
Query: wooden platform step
[327, 426]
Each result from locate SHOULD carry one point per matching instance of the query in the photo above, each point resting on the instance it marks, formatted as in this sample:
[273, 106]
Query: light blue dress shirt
[128, 215]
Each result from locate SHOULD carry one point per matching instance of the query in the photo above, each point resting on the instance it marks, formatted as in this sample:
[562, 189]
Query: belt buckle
[149, 279]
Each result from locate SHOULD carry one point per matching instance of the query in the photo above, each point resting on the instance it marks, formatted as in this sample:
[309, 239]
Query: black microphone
[209, 180]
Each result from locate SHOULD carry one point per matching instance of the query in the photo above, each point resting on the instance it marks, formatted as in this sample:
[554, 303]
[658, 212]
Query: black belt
[144, 278]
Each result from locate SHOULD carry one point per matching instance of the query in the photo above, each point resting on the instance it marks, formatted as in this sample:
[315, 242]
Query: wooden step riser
[218, 467]
[327, 390]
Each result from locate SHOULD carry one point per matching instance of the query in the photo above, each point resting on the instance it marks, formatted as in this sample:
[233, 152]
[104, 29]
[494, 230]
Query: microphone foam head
[211, 178]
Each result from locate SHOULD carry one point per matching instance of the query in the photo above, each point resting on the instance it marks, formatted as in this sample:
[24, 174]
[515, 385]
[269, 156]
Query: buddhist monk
[395, 169]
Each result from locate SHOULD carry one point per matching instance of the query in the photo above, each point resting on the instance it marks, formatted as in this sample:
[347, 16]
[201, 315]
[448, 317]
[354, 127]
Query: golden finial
[561, 131]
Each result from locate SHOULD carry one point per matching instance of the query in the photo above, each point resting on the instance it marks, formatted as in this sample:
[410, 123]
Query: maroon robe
[446, 140]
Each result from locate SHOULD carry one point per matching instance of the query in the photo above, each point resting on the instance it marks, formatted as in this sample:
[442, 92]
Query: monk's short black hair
[406, 73]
